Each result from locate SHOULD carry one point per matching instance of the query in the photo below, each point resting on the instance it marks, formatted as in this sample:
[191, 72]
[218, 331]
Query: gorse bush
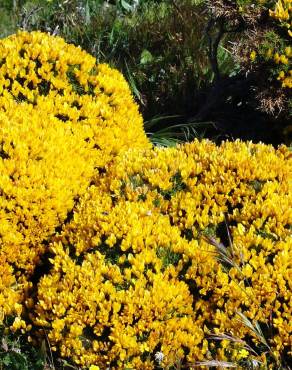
[56, 110]
[148, 234]
[43, 168]
[122, 255]
[264, 49]
[206, 61]
[66, 83]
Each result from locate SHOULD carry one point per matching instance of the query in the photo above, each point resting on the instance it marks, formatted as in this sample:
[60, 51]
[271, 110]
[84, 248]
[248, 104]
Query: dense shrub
[61, 117]
[44, 71]
[159, 45]
[208, 61]
[44, 167]
[153, 236]
[146, 257]
[264, 48]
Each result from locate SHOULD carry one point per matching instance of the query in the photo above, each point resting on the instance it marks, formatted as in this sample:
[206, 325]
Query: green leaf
[6, 360]
[125, 5]
[133, 85]
[146, 57]
[87, 13]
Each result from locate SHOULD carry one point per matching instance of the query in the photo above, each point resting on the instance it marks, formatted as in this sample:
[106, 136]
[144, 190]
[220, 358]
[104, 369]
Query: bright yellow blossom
[62, 116]
[163, 247]
[253, 55]
[65, 82]
[141, 235]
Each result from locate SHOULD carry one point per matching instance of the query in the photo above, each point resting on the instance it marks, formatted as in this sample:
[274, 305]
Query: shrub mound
[150, 257]
[44, 167]
[171, 250]
[44, 71]
[62, 117]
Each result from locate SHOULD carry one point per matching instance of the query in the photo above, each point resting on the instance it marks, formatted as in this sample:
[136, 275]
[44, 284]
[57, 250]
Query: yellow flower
[243, 353]
[281, 75]
[253, 55]
[288, 51]
[281, 12]
[269, 53]
[247, 271]
[277, 57]
[154, 269]
[284, 59]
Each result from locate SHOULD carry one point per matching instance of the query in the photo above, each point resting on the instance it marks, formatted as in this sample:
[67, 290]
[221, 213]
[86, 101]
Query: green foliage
[16, 353]
[168, 256]
[7, 19]
[168, 43]
[160, 46]
[263, 50]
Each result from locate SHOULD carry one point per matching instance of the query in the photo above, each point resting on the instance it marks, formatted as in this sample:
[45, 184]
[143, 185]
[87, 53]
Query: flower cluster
[283, 13]
[168, 247]
[61, 117]
[44, 167]
[264, 49]
[103, 315]
[278, 51]
[64, 81]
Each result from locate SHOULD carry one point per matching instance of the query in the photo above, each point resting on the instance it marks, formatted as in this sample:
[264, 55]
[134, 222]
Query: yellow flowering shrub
[44, 168]
[168, 247]
[167, 250]
[61, 116]
[11, 292]
[263, 50]
[283, 14]
[271, 42]
[275, 51]
[44, 71]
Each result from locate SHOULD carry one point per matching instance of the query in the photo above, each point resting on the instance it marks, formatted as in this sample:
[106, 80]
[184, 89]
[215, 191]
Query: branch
[214, 44]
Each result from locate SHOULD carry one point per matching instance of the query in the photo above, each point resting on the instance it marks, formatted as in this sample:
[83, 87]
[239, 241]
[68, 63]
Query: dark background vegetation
[177, 55]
